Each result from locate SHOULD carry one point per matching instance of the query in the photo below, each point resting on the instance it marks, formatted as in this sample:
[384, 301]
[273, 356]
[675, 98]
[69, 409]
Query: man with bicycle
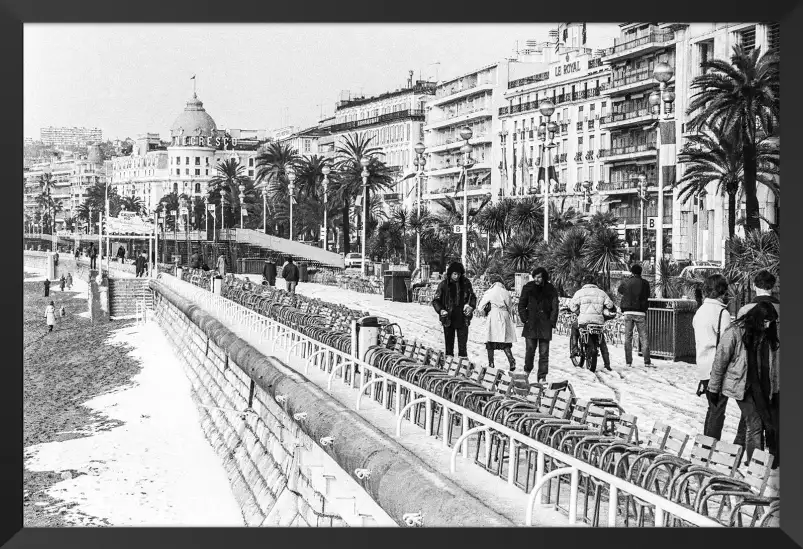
[591, 304]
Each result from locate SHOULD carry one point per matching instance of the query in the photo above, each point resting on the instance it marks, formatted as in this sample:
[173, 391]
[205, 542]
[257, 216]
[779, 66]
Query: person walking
[140, 262]
[221, 265]
[69, 281]
[121, 254]
[590, 303]
[763, 284]
[269, 272]
[47, 287]
[50, 316]
[635, 292]
[290, 274]
[455, 301]
[709, 322]
[77, 252]
[538, 310]
[93, 257]
[746, 367]
[62, 282]
[497, 305]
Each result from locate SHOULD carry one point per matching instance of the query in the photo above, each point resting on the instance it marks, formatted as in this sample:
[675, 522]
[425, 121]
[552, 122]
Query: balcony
[374, 120]
[458, 118]
[455, 93]
[562, 157]
[564, 128]
[632, 81]
[535, 78]
[627, 118]
[624, 185]
[630, 152]
[652, 41]
[455, 143]
[591, 124]
[594, 63]
[578, 157]
[579, 126]
[589, 155]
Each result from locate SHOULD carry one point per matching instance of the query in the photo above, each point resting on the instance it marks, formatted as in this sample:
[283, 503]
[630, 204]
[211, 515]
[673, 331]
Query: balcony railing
[657, 37]
[632, 77]
[557, 100]
[579, 126]
[626, 115]
[591, 124]
[540, 77]
[458, 114]
[451, 90]
[589, 155]
[564, 128]
[578, 157]
[602, 153]
[504, 110]
[594, 63]
[630, 149]
[563, 157]
[381, 119]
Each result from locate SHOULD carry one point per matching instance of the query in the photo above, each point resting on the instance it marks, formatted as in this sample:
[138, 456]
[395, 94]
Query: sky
[129, 79]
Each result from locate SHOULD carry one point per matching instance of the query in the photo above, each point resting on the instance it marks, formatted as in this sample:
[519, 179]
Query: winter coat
[140, 263]
[50, 315]
[290, 273]
[635, 292]
[442, 300]
[221, 266]
[195, 261]
[269, 272]
[758, 299]
[729, 370]
[93, 252]
[589, 303]
[538, 310]
[706, 322]
[501, 328]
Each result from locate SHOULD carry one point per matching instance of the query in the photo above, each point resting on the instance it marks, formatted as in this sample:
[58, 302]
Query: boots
[510, 359]
[490, 358]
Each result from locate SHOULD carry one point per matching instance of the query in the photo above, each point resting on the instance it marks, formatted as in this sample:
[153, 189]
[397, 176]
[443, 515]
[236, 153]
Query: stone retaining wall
[272, 452]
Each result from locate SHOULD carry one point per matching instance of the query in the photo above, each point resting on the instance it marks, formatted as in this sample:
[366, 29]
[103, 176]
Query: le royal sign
[567, 68]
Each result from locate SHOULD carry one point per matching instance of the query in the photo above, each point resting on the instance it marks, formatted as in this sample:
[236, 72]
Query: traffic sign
[458, 229]
[652, 223]
[210, 207]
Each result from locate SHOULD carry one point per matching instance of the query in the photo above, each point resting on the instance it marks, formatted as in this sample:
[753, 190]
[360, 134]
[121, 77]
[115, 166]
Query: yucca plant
[603, 250]
[519, 253]
[670, 285]
[567, 259]
[755, 252]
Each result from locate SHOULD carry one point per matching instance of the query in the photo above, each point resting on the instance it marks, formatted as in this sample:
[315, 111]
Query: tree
[348, 181]
[740, 99]
[96, 198]
[229, 175]
[714, 157]
[603, 250]
[173, 202]
[400, 220]
[132, 204]
[272, 166]
[46, 185]
[602, 220]
[497, 219]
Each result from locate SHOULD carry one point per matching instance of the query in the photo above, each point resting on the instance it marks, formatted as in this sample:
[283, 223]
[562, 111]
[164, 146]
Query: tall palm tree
[132, 204]
[229, 175]
[272, 165]
[602, 220]
[714, 157]
[742, 99]
[565, 258]
[46, 186]
[348, 182]
[496, 220]
[400, 219]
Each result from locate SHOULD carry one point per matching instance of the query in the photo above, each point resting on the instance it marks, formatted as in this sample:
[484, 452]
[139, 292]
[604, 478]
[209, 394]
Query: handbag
[487, 308]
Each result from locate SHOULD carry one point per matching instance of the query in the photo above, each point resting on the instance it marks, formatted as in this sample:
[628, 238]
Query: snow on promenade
[664, 392]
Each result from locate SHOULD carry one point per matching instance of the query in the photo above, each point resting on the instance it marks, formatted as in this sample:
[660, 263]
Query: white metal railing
[286, 338]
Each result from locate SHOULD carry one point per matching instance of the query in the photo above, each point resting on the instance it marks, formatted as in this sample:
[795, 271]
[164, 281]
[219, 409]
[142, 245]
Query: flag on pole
[460, 182]
[192, 77]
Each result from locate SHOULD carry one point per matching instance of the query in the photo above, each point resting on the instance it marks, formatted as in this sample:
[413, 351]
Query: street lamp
[663, 73]
[291, 177]
[325, 171]
[465, 135]
[642, 194]
[241, 187]
[164, 231]
[547, 109]
[420, 162]
[364, 162]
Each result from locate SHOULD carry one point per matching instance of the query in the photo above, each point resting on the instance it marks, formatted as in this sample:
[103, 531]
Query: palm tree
[272, 166]
[230, 174]
[309, 182]
[400, 219]
[132, 204]
[713, 157]
[46, 185]
[497, 220]
[741, 99]
[173, 202]
[348, 182]
[602, 220]
[603, 250]
[528, 216]
[564, 258]
[520, 252]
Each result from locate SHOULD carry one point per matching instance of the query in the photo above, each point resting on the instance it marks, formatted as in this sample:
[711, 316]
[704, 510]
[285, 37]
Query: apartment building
[61, 136]
[469, 100]
[63, 173]
[305, 142]
[395, 121]
[575, 80]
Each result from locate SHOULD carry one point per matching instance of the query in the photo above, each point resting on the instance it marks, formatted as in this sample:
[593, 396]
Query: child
[50, 316]
[62, 282]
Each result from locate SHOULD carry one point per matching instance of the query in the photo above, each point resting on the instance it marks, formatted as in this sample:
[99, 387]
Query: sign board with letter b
[652, 223]
[458, 229]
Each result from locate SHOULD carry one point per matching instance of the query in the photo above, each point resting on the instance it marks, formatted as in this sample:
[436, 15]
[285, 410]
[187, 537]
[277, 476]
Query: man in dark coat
[141, 261]
[538, 310]
[635, 293]
[455, 302]
[269, 272]
[291, 275]
[93, 257]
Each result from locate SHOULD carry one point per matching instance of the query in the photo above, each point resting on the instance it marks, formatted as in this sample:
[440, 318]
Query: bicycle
[585, 350]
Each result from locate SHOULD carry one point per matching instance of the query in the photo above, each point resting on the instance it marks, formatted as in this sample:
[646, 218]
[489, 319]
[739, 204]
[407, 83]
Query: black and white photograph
[401, 275]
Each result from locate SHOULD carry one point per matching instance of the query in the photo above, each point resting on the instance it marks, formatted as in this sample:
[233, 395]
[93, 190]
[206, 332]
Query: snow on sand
[157, 469]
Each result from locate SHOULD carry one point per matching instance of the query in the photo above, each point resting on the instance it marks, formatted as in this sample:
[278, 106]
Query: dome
[95, 155]
[194, 121]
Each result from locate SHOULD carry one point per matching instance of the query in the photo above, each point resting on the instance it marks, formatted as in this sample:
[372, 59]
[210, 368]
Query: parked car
[693, 277]
[353, 260]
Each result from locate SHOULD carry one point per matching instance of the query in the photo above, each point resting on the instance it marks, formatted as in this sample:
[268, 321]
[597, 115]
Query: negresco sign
[202, 141]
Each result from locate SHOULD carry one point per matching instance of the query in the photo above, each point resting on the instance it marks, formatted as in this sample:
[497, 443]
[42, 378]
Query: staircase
[125, 293]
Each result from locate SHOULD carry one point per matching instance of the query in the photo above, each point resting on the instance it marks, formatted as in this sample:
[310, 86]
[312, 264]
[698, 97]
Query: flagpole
[547, 109]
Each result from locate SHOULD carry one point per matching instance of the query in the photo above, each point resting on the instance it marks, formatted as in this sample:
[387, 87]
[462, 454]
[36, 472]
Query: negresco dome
[194, 121]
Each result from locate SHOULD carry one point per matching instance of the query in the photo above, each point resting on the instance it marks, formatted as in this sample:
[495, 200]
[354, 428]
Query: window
[774, 38]
[186, 171]
[178, 171]
[563, 175]
[250, 173]
[197, 171]
[187, 161]
[175, 187]
[593, 106]
[704, 50]
[515, 126]
[307, 146]
[579, 144]
[207, 160]
[250, 162]
[566, 114]
[197, 188]
[591, 143]
[197, 160]
[579, 174]
[747, 39]
[207, 172]
[591, 173]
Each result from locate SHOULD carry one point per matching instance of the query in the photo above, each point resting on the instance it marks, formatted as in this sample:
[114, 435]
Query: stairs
[125, 293]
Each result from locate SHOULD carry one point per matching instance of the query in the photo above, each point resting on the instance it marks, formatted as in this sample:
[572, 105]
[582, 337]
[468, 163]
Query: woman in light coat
[50, 316]
[501, 330]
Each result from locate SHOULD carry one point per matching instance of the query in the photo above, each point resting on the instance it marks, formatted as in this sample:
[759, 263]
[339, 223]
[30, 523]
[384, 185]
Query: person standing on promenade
[454, 302]
[635, 292]
[501, 330]
[291, 275]
[538, 310]
[50, 316]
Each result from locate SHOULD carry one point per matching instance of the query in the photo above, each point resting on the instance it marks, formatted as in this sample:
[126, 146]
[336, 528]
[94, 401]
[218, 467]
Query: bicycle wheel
[578, 358]
[591, 352]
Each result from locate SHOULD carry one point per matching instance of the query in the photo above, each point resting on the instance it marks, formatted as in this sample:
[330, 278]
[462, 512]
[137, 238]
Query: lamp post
[546, 109]
[291, 177]
[163, 217]
[364, 162]
[241, 187]
[186, 204]
[587, 192]
[465, 135]
[663, 73]
[420, 162]
[325, 171]
[642, 194]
